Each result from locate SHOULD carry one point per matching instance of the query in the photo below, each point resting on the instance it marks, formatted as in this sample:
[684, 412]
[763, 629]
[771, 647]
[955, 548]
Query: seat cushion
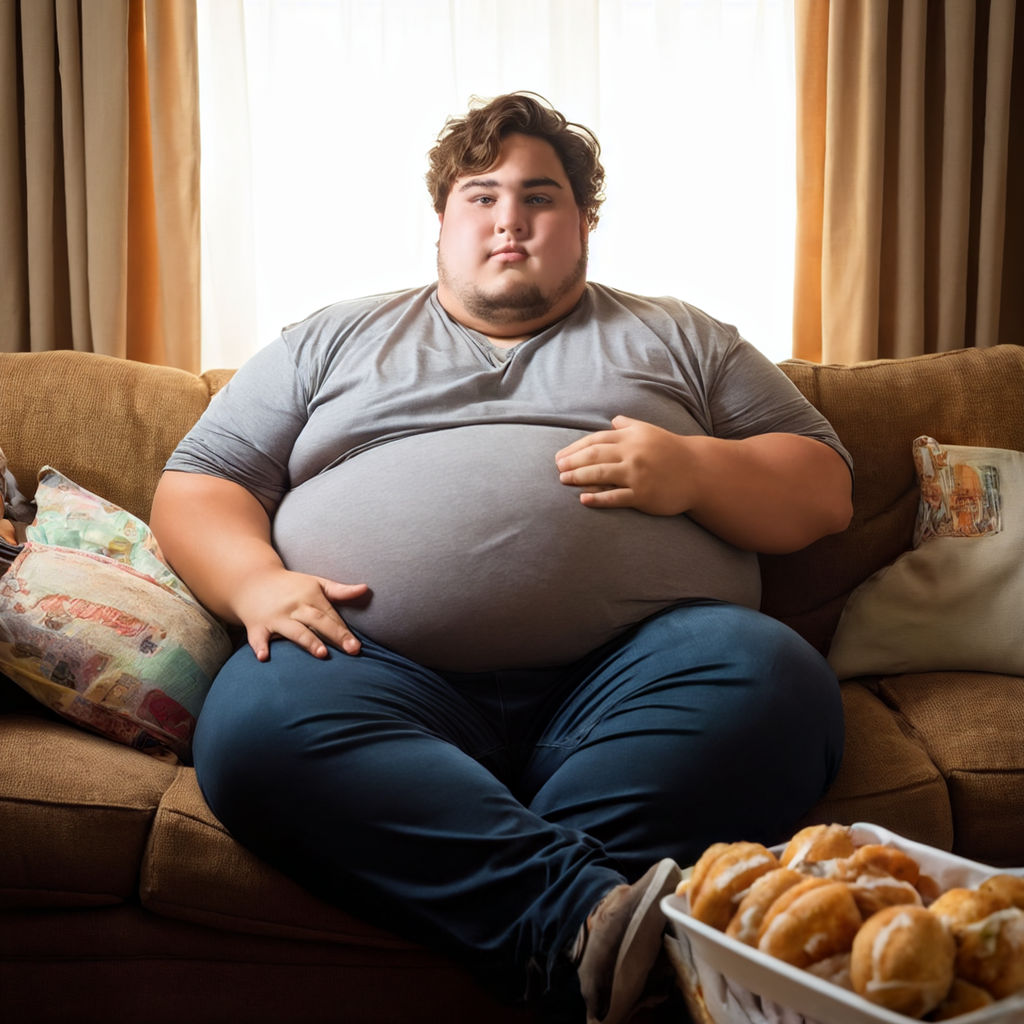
[194, 871]
[75, 814]
[887, 777]
[972, 726]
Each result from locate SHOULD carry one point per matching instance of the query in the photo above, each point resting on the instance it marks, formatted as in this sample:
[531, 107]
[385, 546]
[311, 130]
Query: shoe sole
[641, 942]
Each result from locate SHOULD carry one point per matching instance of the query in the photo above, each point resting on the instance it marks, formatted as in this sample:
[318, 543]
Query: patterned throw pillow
[956, 601]
[94, 625]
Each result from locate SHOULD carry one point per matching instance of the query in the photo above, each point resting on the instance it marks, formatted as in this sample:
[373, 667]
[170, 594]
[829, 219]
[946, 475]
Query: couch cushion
[956, 601]
[971, 725]
[878, 408]
[194, 871]
[108, 423]
[75, 812]
[887, 777]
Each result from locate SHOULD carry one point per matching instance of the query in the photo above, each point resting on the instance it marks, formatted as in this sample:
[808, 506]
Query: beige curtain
[910, 206]
[99, 178]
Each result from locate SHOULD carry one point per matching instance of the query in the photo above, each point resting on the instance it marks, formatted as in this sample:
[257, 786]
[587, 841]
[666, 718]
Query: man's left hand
[633, 465]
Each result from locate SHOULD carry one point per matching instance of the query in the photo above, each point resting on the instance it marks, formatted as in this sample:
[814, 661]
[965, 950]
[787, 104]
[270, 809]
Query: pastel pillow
[956, 600]
[95, 626]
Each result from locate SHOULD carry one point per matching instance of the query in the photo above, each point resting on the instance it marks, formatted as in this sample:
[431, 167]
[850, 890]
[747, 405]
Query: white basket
[729, 982]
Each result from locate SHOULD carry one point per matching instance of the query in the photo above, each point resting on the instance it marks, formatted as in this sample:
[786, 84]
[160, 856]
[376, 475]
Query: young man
[551, 674]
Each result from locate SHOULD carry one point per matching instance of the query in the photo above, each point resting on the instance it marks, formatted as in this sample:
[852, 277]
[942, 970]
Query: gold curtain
[99, 178]
[910, 181]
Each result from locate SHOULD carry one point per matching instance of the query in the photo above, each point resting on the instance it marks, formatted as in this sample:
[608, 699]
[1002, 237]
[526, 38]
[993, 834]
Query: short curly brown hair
[471, 144]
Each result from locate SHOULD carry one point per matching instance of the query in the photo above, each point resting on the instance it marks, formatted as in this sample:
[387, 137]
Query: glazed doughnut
[963, 997]
[961, 907]
[714, 896]
[902, 959]
[990, 952]
[810, 921]
[817, 843]
[746, 921]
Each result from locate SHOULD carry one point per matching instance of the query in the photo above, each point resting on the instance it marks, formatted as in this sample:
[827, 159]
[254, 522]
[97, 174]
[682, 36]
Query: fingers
[308, 619]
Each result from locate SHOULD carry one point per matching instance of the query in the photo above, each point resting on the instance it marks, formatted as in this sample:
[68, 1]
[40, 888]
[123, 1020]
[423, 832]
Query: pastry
[962, 998]
[746, 921]
[1008, 887]
[720, 885]
[810, 921]
[990, 952]
[872, 893]
[960, 907]
[817, 843]
[902, 959]
[876, 859]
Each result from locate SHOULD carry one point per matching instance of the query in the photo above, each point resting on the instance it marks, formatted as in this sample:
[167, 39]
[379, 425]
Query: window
[317, 116]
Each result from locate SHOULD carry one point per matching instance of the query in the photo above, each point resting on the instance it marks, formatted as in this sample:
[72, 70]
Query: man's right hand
[299, 608]
[245, 582]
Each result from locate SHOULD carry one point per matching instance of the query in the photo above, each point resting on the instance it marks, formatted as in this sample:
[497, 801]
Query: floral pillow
[956, 601]
[94, 624]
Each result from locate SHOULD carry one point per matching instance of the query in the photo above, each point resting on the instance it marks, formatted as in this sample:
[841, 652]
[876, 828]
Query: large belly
[479, 558]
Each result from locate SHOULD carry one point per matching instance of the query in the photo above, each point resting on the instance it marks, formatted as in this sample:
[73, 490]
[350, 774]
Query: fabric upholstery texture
[961, 397]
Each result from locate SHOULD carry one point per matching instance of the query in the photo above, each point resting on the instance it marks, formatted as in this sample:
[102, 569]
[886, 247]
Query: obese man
[492, 543]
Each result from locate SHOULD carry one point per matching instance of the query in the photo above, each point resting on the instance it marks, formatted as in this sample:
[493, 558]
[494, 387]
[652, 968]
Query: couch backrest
[969, 397]
[110, 425]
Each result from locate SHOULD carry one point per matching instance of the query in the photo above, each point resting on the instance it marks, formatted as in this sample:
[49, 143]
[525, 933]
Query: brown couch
[122, 897]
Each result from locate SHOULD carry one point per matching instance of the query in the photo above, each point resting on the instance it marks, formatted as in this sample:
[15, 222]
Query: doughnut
[810, 921]
[746, 921]
[726, 878]
[902, 959]
[817, 843]
[990, 952]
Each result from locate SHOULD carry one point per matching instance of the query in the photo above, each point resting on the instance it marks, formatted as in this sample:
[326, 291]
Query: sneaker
[622, 940]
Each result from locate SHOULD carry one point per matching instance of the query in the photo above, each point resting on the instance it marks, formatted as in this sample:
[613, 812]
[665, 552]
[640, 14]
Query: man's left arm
[772, 492]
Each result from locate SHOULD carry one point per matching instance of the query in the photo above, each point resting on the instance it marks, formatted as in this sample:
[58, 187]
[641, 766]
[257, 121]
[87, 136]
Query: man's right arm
[216, 536]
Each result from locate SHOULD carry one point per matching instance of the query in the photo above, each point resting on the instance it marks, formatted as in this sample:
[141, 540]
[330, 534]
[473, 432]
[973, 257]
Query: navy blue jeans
[487, 813]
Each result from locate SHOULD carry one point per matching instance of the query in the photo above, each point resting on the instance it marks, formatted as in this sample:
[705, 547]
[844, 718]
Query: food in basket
[816, 844]
[746, 921]
[903, 959]
[723, 874]
[1009, 887]
[990, 952]
[864, 916]
[812, 921]
[963, 997]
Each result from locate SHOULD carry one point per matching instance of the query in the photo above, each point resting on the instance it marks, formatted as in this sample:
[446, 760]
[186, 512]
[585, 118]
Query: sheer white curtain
[317, 115]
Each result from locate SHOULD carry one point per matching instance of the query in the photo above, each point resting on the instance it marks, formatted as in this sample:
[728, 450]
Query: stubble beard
[516, 305]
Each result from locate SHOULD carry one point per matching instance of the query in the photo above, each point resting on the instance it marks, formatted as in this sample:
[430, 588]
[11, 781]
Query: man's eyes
[537, 200]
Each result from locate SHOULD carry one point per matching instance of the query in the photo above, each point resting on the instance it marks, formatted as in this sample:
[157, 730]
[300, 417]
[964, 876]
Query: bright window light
[316, 116]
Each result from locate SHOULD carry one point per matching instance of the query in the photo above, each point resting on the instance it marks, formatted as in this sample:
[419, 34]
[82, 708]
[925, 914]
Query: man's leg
[371, 777]
[706, 723]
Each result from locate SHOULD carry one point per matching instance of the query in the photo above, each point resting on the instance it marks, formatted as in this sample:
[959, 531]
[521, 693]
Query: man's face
[512, 252]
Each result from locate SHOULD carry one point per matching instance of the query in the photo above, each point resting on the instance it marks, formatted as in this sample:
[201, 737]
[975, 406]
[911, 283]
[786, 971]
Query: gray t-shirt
[392, 446]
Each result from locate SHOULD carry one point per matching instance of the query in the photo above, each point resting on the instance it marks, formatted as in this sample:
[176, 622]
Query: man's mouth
[509, 254]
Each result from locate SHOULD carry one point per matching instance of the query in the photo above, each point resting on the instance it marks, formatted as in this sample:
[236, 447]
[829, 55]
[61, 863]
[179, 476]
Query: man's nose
[510, 218]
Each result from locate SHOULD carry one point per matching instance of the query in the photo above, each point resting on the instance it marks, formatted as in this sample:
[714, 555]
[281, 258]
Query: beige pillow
[956, 601]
